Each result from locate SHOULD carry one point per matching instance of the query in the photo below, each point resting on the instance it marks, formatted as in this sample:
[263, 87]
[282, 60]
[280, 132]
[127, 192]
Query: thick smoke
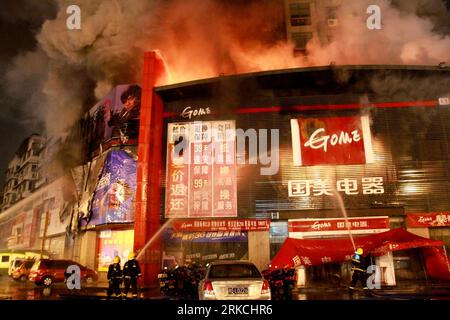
[200, 39]
[405, 37]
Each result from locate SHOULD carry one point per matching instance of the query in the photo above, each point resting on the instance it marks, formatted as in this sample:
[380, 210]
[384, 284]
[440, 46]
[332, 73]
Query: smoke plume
[69, 69]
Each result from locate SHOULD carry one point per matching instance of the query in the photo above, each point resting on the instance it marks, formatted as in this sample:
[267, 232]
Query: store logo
[425, 219]
[320, 225]
[316, 142]
[189, 112]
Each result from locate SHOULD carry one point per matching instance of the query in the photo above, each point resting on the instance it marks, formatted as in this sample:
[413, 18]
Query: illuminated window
[300, 14]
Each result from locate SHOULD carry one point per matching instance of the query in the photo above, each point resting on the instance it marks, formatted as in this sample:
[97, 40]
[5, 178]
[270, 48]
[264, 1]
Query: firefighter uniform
[359, 270]
[114, 277]
[131, 272]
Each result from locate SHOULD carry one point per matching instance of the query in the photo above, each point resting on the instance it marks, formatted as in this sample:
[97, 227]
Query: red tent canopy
[310, 252]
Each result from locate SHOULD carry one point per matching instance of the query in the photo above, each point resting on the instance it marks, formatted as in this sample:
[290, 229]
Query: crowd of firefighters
[182, 278]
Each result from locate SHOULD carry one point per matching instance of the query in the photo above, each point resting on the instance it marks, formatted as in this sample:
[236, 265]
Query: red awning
[310, 252]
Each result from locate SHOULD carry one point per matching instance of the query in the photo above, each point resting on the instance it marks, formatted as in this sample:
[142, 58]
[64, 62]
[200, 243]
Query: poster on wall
[331, 140]
[114, 196]
[201, 170]
[114, 116]
[112, 244]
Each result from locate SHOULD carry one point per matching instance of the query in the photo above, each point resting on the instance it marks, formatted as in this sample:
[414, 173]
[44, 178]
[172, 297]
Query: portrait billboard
[116, 116]
[114, 196]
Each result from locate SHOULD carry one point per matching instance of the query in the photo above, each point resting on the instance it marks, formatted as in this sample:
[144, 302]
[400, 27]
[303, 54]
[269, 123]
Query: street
[15, 290]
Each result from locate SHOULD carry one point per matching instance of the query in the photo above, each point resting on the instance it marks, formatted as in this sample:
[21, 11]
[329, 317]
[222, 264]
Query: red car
[46, 272]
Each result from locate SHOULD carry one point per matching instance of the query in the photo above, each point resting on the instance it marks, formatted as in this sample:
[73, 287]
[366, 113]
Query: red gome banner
[315, 225]
[430, 219]
[222, 225]
[331, 140]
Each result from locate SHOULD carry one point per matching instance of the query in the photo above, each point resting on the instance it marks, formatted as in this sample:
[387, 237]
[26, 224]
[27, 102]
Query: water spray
[344, 214]
[155, 236]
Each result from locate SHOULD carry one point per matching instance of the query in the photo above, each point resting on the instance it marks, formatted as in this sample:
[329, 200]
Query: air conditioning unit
[333, 22]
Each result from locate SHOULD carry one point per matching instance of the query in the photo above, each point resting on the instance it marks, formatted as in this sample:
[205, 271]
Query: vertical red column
[147, 212]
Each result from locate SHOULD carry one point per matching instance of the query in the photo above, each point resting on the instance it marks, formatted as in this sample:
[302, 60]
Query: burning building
[350, 151]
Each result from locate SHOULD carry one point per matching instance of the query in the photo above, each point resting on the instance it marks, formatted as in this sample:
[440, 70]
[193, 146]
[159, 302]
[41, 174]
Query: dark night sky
[17, 36]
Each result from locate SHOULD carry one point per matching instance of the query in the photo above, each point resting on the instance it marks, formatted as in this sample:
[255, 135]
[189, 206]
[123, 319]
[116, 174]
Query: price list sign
[201, 170]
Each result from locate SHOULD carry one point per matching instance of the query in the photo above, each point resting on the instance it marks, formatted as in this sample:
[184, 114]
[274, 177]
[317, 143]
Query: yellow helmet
[359, 251]
[131, 256]
[117, 259]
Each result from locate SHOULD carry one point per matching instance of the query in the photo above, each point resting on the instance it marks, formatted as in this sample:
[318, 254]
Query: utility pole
[44, 235]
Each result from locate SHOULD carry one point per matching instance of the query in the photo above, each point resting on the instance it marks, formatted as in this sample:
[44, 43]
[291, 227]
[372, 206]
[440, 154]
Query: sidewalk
[98, 291]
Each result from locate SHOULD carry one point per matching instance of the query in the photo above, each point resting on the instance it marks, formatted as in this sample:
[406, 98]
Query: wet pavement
[15, 290]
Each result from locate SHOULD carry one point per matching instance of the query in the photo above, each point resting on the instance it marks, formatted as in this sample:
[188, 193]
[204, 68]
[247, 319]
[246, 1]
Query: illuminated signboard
[201, 170]
[299, 228]
[112, 244]
[331, 140]
[427, 220]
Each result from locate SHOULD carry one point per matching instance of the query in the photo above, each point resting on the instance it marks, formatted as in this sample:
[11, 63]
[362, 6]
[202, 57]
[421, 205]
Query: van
[8, 257]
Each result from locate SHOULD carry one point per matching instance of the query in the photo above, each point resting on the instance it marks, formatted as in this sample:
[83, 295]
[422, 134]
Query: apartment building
[23, 171]
[306, 19]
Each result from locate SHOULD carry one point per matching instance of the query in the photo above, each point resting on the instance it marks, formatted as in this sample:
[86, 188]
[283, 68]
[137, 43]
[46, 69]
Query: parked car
[233, 280]
[21, 273]
[8, 259]
[46, 272]
[14, 265]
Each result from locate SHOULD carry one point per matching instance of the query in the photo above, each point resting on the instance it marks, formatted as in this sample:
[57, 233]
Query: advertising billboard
[114, 196]
[331, 140]
[114, 243]
[201, 170]
[115, 116]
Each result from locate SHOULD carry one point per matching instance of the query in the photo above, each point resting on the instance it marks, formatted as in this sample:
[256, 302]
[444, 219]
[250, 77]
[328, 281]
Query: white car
[233, 280]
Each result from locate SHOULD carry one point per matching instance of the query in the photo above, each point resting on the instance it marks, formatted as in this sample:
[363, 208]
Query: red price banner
[201, 177]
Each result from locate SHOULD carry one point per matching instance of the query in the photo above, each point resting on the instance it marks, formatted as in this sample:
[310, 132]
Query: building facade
[22, 174]
[306, 19]
[228, 168]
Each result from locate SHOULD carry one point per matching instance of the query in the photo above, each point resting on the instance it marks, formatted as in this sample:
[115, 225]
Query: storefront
[350, 228]
[205, 240]
[301, 145]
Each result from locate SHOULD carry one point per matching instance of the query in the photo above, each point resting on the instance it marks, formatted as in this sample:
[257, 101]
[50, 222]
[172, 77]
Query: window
[234, 271]
[5, 258]
[300, 14]
[301, 40]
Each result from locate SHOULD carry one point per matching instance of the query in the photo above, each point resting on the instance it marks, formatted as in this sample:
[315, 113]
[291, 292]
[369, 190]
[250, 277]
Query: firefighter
[131, 273]
[359, 270]
[114, 277]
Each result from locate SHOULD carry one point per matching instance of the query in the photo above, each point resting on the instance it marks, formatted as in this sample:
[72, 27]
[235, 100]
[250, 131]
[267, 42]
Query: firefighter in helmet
[114, 277]
[131, 273]
[359, 270]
